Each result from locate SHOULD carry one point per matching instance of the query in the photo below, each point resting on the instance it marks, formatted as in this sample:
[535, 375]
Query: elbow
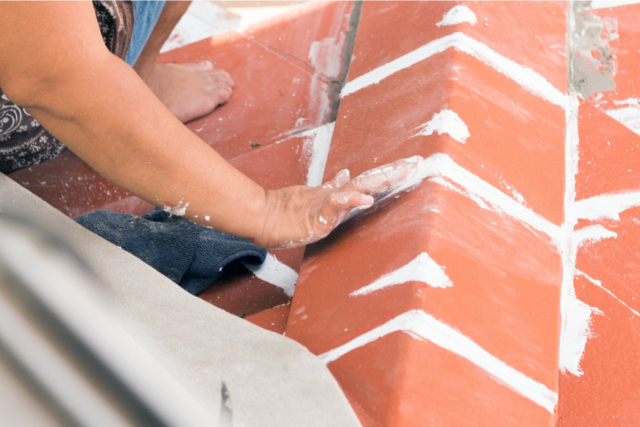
[24, 90]
[53, 85]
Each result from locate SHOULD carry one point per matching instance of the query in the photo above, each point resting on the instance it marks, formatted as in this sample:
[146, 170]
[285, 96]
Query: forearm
[54, 63]
[106, 115]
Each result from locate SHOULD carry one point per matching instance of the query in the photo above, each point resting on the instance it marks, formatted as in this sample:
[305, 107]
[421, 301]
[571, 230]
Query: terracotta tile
[506, 276]
[273, 95]
[275, 166]
[609, 155]
[607, 393]
[278, 165]
[516, 140]
[494, 299]
[530, 33]
[238, 291]
[70, 185]
[436, 379]
[610, 150]
[273, 319]
[313, 32]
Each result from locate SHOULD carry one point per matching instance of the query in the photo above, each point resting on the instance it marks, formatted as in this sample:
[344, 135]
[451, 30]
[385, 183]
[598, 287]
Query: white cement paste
[628, 116]
[316, 149]
[603, 4]
[458, 15]
[446, 121]
[325, 55]
[525, 77]
[598, 283]
[178, 210]
[606, 206]
[441, 169]
[422, 326]
[421, 269]
[274, 272]
[576, 315]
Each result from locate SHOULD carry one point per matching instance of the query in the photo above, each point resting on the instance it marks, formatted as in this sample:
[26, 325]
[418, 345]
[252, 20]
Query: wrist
[262, 208]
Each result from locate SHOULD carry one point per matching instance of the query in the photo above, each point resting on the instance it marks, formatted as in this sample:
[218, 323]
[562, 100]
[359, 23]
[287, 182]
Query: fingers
[384, 178]
[339, 205]
[339, 180]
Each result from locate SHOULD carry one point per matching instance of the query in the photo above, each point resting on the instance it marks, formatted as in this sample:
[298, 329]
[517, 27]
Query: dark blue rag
[187, 253]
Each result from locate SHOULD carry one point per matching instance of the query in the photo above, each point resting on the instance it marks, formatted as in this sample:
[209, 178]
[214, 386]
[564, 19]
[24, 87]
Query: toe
[222, 92]
[198, 67]
[205, 65]
[222, 76]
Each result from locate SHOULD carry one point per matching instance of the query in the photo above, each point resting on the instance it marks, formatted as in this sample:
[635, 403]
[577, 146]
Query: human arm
[54, 63]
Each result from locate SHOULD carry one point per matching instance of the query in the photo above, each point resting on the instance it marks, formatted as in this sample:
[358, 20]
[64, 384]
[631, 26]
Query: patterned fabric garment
[23, 141]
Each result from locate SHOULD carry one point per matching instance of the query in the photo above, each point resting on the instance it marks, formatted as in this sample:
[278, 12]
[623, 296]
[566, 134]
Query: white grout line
[275, 272]
[525, 77]
[316, 148]
[422, 326]
[441, 166]
[603, 4]
[598, 283]
[421, 269]
[458, 15]
[605, 206]
[446, 121]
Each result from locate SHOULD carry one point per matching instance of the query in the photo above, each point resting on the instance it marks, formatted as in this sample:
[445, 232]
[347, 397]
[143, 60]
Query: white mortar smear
[422, 326]
[325, 55]
[457, 15]
[316, 149]
[602, 4]
[605, 206]
[178, 210]
[628, 116]
[421, 269]
[274, 272]
[598, 283]
[525, 77]
[446, 121]
[439, 166]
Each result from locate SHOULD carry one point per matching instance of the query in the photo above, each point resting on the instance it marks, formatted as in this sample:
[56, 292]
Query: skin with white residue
[334, 201]
[178, 210]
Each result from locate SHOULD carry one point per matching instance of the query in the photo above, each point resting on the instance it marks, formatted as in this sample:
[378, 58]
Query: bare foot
[190, 90]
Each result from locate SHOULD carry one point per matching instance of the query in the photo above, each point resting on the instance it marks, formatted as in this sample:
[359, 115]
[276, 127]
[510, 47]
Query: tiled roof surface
[502, 290]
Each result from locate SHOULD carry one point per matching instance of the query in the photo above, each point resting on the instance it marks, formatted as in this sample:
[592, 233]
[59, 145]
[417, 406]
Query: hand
[297, 216]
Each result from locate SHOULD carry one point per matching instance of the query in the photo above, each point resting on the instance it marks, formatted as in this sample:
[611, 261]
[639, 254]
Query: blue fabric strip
[146, 16]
